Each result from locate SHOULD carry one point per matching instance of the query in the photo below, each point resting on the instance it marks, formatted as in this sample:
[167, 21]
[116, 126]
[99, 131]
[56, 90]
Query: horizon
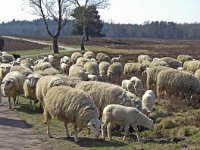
[132, 11]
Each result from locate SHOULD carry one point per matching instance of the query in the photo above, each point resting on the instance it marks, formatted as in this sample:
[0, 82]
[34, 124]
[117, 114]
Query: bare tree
[100, 4]
[56, 10]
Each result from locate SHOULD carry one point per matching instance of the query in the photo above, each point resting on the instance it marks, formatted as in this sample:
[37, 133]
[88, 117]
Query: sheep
[51, 59]
[92, 68]
[12, 86]
[4, 69]
[78, 71]
[197, 74]
[137, 85]
[134, 68]
[50, 71]
[65, 59]
[152, 76]
[148, 101]
[28, 62]
[75, 56]
[64, 68]
[103, 67]
[123, 115]
[81, 61]
[42, 66]
[173, 63]
[7, 58]
[69, 81]
[89, 55]
[102, 57]
[142, 58]
[116, 59]
[158, 63]
[44, 84]
[22, 69]
[71, 106]
[184, 58]
[192, 65]
[30, 89]
[115, 69]
[104, 93]
[177, 82]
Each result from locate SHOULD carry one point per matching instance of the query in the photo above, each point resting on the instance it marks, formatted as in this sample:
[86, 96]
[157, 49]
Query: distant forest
[161, 30]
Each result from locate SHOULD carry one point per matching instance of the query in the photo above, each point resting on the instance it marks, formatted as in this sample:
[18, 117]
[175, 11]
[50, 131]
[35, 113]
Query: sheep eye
[94, 125]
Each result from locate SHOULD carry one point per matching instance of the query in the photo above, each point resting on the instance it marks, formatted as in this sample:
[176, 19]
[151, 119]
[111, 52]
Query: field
[177, 127]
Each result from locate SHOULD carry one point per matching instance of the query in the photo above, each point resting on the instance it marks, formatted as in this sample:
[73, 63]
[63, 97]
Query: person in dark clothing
[1, 43]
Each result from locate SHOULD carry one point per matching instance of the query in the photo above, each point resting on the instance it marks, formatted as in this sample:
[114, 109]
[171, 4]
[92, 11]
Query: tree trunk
[55, 45]
[87, 35]
[83, 38]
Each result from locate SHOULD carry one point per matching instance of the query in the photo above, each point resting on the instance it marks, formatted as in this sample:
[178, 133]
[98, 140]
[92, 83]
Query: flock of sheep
[77, 92]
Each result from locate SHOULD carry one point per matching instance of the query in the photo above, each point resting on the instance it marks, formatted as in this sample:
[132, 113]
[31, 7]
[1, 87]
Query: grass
[175, 132]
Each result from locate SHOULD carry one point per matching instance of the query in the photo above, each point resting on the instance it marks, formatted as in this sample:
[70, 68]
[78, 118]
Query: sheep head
[94, 125]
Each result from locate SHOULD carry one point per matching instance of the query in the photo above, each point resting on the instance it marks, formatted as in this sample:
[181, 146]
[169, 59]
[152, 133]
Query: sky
[121, 11]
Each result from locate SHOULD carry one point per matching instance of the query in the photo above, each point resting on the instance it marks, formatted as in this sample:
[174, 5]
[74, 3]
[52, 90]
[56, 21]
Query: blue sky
[123, 11]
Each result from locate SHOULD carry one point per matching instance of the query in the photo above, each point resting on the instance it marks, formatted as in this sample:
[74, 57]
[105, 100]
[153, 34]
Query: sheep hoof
[50, 136]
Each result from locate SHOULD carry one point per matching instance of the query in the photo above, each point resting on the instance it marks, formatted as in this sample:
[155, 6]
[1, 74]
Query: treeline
[162, 30]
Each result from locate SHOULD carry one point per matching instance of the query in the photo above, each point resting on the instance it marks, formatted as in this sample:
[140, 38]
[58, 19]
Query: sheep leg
[75, 134]
[126, 128]
[14, 102]
[67, 132]
[103, 130]
[9, 101]
[136, 132]
[34, 106]
[109, 127]
[31, 107]
[48, 128]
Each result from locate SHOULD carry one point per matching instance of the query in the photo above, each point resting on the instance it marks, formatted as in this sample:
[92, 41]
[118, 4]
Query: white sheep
[30, 88]
[116, 59]
[71, 106]
[148, 101]
[137, 85]
[44, 84]
[123, 115]
[127, 84]
[12, 86]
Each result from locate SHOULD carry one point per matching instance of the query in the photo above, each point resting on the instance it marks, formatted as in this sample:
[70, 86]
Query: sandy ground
[15, 134]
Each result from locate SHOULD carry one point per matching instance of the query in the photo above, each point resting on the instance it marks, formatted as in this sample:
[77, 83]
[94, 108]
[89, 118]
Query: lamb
[65, 59]
[30, 89]
[142, 58]
[102, 57]
[79, 72]
[134, 68]
[71, 106]
[177, 82]
[12, 86]
[116, 59]
[123, 115]
[89, 55]
[148, 101]
[115, 69]
[75, 56]
[137, 84]
[64, 68]
[92, 68]
[184, 58]
[104, 93]
[44, 84]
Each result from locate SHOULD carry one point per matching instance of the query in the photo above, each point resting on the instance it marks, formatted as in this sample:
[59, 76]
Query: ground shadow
[25, 108]
[15, 123]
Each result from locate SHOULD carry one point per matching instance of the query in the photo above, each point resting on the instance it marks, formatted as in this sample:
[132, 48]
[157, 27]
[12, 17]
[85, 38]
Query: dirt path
[15, 134]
